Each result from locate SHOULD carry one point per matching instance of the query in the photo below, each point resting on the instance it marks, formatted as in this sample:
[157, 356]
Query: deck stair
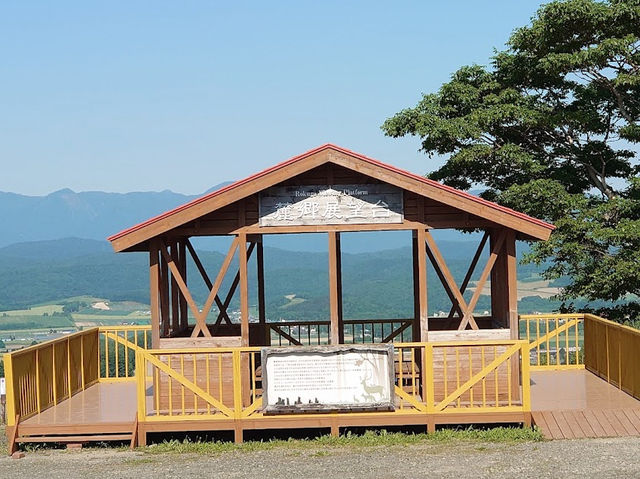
[588, 423]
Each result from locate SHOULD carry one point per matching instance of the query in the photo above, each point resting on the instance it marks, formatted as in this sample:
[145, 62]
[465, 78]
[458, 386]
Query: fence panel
[556, 340]
[612, 353]
[42, 375]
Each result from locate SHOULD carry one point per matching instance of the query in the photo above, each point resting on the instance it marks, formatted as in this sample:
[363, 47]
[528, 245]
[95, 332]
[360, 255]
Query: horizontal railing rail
[556, 341]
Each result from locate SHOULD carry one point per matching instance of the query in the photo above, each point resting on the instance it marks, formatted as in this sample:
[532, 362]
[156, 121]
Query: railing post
[526, 377]
[11, 402]
[82, 360]
[53, 374]
[69, 366]
[140, 383]
[37, 366]
[237, 384]
[430, 393]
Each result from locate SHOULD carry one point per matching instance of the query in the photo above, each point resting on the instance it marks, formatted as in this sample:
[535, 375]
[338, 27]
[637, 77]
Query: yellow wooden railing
[42, 375]
[202, 383]
[226, 383]
[442, 378]
[612, 351]
[118, 346]
[556, 341]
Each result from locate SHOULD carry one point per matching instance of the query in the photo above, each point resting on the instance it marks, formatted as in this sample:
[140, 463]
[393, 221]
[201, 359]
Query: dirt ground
[591, 458]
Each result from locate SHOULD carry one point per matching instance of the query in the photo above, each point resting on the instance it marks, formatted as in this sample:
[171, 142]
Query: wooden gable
[235, 207]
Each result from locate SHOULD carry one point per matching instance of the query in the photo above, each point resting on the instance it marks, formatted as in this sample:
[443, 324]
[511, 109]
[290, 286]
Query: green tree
[549, 128]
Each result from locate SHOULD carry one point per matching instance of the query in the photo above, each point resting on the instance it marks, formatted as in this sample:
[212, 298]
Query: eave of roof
[339, 149]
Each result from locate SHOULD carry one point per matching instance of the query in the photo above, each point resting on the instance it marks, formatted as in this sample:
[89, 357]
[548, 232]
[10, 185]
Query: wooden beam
[12, 445]
[201, 323]
[440, 264]
[244, 289]
[495, 250]
[415, 330]
[499, 285]
[339, 287]
[230, 293]
[175, 291]
[422, 285]
[214, 229]
[262, 316]
[206, 279]
[184, 313]
[471, 269]
[333, 289]
[512, 305]
[164, 293]
[512, 283]
[183, 287]
[154, 291]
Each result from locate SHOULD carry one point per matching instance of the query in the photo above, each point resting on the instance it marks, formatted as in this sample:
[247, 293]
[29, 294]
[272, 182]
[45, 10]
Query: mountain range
[96, 215]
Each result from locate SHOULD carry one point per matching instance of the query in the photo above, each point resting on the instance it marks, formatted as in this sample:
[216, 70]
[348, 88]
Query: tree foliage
[550, 128]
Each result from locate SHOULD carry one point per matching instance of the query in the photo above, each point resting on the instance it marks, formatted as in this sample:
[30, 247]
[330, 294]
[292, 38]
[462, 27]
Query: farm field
[21, 327]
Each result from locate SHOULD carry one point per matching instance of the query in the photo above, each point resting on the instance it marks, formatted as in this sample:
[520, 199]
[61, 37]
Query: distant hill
[92, 214]
[376, 284]
[96, 215]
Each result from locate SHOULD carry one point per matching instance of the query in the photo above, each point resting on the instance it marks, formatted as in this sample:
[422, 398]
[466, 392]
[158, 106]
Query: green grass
[30, 321]
[34, 310]
[368, 439]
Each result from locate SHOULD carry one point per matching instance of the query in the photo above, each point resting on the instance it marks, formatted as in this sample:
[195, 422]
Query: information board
[328, 378]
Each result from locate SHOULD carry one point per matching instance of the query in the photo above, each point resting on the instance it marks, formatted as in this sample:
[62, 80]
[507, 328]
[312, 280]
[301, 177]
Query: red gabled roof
[301, 157]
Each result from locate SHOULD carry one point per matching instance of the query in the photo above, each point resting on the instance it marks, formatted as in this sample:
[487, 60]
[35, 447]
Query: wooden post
[422, 285]
[415, 330]
[339, 286]
[184, 313]
[175, 292]
[244, 288]
[512, 284]
[262, 317]
[154, 290]
[164, 295]
[334, 304]
[512, 305]
[498, 285]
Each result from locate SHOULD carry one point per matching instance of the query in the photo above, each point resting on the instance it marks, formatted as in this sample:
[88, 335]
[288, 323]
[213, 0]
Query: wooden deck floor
[565, 404]
[101, 403]
[577, 404]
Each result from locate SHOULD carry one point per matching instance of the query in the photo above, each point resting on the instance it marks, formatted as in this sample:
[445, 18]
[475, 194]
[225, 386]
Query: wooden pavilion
[382, 198]
[200, 368]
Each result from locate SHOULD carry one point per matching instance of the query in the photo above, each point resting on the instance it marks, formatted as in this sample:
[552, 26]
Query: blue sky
[137, 96]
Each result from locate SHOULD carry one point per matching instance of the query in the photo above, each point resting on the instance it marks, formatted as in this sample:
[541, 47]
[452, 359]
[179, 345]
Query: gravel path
[597, 458]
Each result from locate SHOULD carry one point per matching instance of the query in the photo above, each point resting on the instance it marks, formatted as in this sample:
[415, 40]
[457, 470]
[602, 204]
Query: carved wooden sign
[328, 378]
[331, 205]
